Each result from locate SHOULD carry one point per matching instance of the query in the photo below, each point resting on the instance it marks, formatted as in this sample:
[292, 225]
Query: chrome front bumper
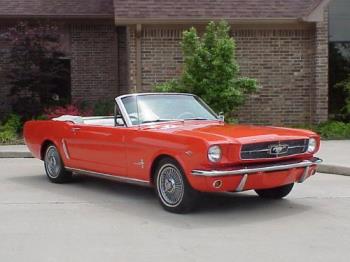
[246, 171]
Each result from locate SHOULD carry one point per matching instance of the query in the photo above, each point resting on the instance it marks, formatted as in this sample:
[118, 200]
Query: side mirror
[222, 117]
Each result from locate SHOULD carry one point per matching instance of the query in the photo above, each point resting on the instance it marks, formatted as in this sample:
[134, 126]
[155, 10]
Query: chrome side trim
[65, 150]
[111, 177]
[214, 173]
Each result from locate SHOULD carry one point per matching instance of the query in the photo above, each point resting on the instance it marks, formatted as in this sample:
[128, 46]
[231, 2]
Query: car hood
[242, 134]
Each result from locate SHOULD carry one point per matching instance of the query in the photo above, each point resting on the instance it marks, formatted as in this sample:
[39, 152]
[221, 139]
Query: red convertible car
[178, 145]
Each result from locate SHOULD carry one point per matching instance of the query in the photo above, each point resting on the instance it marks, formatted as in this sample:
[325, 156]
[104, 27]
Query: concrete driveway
[97, 220]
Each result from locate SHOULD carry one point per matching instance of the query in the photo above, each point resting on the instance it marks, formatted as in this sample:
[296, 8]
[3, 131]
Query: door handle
[75, 129]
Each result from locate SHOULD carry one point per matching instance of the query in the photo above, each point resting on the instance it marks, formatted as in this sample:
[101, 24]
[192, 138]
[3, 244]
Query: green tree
[211, 70]
[345, 109]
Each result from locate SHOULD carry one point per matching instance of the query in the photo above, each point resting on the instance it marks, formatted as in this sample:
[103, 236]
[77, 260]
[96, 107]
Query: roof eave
[164, 21]
[317, 14]
[55, 16]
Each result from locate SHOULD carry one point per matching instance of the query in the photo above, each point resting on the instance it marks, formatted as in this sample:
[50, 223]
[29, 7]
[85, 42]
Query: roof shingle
[213, 9]
[69, 8]
[160, 9]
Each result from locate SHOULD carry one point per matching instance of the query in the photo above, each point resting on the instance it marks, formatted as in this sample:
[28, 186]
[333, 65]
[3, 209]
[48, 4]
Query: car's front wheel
[54, 167]
[275, 193]
[174, 192]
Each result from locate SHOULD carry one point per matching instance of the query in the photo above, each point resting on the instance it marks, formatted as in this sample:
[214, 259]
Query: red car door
[98, 148]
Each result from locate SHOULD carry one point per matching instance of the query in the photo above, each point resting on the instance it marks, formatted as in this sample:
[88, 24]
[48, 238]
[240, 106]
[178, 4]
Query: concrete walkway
[15, 151]
[336, 156]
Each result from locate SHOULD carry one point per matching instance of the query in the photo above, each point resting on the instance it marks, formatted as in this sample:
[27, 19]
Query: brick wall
[122, 53]
[281, 59]
[320, 109]
[94, 62]
[161, 56]
[131, 40]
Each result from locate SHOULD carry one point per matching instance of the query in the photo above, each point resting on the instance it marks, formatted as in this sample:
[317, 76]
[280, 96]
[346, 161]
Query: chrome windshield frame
[119, 101]
[122, 109]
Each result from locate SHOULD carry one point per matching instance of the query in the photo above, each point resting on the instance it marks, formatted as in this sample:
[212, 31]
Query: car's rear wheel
[54, 167]
[174, 192]
[275, 193]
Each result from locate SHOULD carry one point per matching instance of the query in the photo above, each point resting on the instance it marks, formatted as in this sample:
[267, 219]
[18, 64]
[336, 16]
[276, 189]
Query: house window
[339, 55]
[62, 88]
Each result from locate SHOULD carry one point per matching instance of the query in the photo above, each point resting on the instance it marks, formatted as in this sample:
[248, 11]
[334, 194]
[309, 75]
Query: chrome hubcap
[52, 163]
[170, 185]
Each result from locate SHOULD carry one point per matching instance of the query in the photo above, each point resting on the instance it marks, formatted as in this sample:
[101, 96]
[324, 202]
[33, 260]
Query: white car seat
[69, 118]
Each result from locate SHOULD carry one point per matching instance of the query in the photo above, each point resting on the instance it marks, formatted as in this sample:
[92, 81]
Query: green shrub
[104, 108]
[329, 130]
[13, 123]
[210, 69]
[7, 136]
[334, 130]
[10, 129]
[40, 117]
[173, 85]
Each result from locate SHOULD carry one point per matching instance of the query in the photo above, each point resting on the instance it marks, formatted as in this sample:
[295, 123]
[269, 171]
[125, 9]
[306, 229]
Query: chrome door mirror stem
[221, 117]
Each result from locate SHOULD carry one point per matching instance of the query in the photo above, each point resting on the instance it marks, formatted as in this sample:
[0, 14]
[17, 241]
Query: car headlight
[214, 154]
[312, 145]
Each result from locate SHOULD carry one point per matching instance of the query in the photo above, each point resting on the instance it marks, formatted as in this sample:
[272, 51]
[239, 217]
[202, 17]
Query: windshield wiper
[168, 120]
[156, 121]
[196, 118]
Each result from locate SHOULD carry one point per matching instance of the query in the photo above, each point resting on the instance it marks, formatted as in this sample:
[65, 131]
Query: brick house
[122, 46]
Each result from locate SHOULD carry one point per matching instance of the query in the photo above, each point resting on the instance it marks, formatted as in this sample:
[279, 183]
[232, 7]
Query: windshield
[166, 107]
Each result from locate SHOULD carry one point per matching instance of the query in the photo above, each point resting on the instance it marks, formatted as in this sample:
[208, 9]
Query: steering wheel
[182, 115]
[133, 117]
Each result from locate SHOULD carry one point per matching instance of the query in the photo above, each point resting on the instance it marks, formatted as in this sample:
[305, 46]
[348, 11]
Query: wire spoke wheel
[53, 163]
[170, 185]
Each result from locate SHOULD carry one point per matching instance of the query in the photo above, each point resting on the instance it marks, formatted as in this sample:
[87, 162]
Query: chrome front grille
[274, 149]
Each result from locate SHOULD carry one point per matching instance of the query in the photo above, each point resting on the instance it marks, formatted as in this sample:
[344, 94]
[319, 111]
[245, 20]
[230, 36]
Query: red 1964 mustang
[178, 145]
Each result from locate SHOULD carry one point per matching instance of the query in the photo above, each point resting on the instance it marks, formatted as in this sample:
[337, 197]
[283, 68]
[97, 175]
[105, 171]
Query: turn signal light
[217, 184]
